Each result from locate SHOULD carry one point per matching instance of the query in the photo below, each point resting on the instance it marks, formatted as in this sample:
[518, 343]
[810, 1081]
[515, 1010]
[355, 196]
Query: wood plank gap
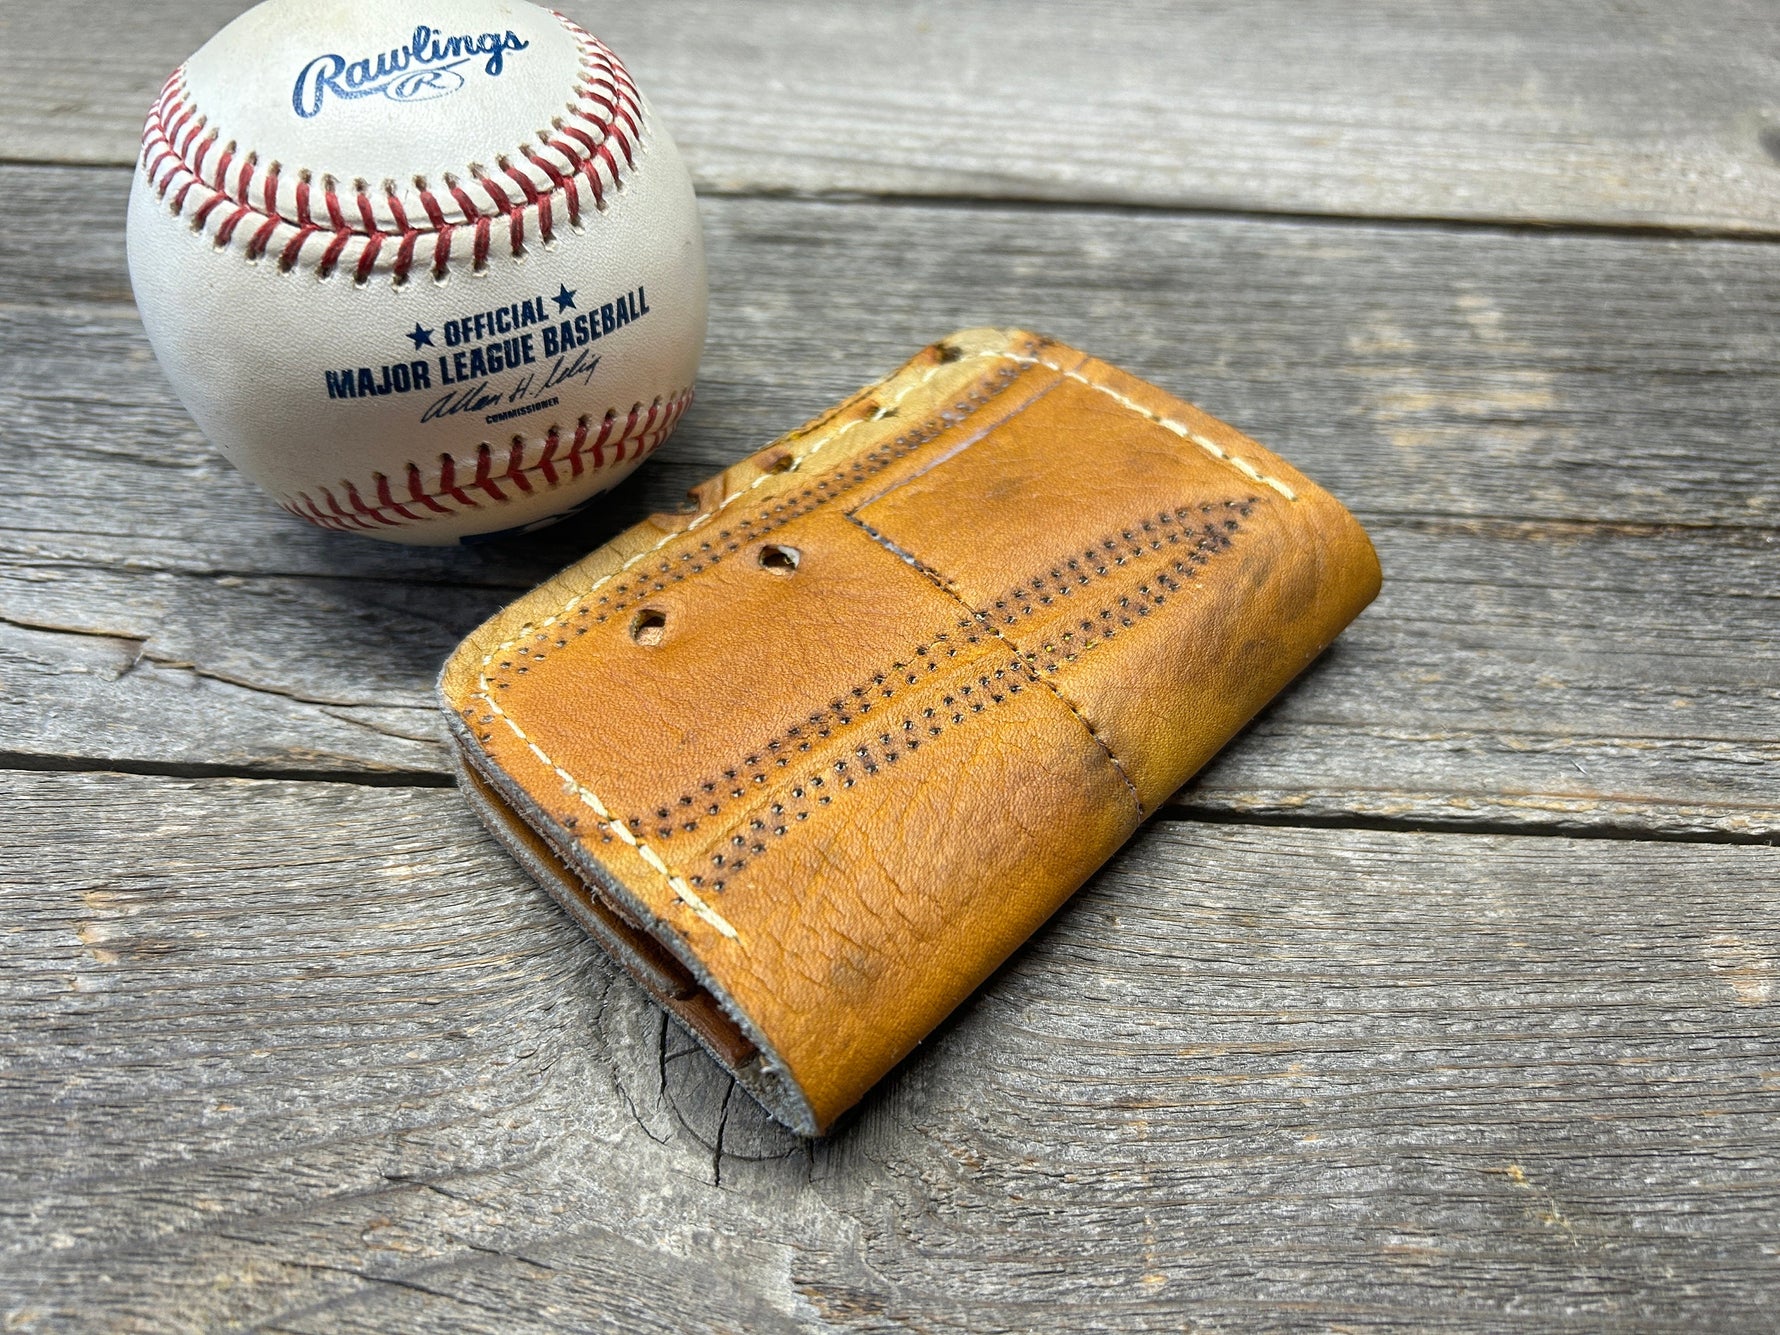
[471, 579]
[1181, 813]
[175, 769]
[1445, 522]
[1408, 222]
[964, 200]
[1532, 829]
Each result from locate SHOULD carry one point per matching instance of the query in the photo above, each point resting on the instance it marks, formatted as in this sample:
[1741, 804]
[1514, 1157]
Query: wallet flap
[1157, 494]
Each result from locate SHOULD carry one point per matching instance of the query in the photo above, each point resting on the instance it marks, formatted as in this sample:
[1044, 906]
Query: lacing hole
[779, 560]
[779, 462]
[648, 627]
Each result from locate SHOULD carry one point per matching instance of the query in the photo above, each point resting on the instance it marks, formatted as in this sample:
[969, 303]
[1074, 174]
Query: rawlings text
[428, 67]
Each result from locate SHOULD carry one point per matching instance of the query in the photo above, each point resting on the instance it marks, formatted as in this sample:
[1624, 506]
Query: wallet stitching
[852, 704]
[1180, 429]
[1153, 536]
[947, 587]
[753, 826]
[683, 892]
[757, 526]
[997, 681]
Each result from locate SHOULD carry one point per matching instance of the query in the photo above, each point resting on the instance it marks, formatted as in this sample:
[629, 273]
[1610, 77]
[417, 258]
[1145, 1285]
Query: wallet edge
[765, 1077]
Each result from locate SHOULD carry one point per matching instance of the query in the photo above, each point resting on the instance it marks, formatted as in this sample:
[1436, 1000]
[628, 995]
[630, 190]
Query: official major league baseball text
[496, 344]
[425, 280]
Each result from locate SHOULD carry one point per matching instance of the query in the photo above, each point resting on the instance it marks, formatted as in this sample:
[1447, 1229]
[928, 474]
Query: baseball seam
[385, 504]
[200, 175]
[683, 893]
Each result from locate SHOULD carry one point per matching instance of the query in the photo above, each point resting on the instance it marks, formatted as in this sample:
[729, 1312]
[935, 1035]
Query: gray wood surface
[1594, 111]
[1445, 999]
[336, 1067]
[1547, 436]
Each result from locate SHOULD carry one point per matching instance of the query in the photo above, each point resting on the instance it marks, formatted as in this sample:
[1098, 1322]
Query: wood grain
[1548, 437]
[315, 1057]
[1413, 371]
[303, 1051]
[1597, 111]
[1631, 684]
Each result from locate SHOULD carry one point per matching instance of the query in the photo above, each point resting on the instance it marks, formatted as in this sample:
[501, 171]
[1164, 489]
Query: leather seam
[762, 525]
[1054, 582]
[945, 586]
[683, 892]
[793, 798]
[752, 823]
[604, 108]
[878, 693]
[852, 705]
[461, 487]
[702, 801]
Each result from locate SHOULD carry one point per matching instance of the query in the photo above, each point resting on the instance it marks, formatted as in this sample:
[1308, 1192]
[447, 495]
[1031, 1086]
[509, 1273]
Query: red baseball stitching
[183, 159]
[394, 504]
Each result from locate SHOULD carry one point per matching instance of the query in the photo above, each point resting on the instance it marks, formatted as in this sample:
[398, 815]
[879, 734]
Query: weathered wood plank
[1596, 112]
[1560, 443]
[86, 696]
[1570, 677]
[315, 1057]
[1413, 371]
[1566, 676]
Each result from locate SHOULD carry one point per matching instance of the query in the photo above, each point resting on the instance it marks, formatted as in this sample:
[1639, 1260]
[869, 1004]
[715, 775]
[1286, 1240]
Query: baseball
[425, 272]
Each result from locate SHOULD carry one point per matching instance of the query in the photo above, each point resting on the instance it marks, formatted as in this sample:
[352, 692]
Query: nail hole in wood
[648, 626]
[779, 560]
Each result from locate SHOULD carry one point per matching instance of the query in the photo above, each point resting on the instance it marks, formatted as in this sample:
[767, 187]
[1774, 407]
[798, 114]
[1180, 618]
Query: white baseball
[423, 272]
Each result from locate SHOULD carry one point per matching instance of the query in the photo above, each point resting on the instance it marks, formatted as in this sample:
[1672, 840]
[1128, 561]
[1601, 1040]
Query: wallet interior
[605, 919]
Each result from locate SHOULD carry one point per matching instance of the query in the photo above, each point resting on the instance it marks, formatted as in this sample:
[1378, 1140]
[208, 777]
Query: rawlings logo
[428, 67]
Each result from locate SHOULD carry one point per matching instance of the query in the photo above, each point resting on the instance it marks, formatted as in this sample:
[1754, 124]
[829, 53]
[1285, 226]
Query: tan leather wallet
[813, 758]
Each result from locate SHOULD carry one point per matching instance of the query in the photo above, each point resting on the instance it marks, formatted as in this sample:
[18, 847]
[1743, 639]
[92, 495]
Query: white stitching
[574, 787]
[1180, 429]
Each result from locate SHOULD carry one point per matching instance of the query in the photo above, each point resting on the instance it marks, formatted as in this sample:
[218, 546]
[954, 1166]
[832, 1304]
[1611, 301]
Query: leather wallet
[811, 759]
